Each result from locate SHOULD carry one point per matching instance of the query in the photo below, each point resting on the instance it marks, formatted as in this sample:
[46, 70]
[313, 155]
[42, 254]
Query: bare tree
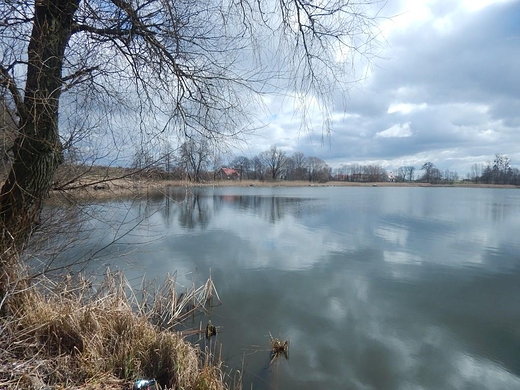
[450, 177]
[355, 172]
[341, 173]
[409, 170]
[374, 173]
[430, 172]
[406, 173]
[168, 158]
[195, 156]
[274, 159]
[318, 170]
[476, 172]
[502, 170]
[242, 165]
[301, 166]
[401, 174]
[258, 168]
[143, 159]
[167, 65]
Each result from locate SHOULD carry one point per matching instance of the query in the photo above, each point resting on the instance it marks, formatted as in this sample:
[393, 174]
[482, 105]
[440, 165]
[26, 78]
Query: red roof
[230, 172]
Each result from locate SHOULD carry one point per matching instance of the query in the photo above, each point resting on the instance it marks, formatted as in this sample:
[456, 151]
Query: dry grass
[115, 186]
[70, 335]
[127, 188]
[278, 349]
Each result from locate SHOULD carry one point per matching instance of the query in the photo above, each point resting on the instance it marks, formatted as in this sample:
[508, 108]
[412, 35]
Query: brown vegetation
[278, 349]
[118, 188]
[71, 335]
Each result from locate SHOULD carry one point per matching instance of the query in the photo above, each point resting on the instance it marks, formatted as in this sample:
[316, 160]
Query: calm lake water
[374, 287]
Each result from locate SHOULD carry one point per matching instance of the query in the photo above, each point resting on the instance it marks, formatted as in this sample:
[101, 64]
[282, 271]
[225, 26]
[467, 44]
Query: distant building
[391, 177]
[228, 174]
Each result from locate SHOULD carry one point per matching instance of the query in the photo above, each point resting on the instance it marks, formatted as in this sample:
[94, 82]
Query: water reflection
[272, 208]
[382, 288]
[194, 213]
[194, 208]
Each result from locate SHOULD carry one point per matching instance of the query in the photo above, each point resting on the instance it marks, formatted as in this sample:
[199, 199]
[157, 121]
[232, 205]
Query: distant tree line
[433, 175]
[361, 173]
[275, 164]
[197, 160]
[498, 172]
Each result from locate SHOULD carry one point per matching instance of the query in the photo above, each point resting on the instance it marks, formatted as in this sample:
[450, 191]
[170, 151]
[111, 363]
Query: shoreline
[124, 188]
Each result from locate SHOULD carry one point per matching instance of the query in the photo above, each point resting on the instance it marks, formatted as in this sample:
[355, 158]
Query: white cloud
[443, 90]
[488, 135]
[477, 5]
[405, 108]
[402, 130]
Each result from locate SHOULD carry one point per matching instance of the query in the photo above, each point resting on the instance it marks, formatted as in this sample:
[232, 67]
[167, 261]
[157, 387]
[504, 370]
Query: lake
[373, 287]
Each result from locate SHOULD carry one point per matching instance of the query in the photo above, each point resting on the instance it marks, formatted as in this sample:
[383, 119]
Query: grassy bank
[71, 335]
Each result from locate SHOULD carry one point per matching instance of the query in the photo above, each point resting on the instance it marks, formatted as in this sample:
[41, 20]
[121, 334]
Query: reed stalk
[73, 334]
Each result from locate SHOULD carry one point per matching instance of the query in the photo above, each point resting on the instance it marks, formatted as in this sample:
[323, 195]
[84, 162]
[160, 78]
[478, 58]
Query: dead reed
[73, 335]
[278, 349]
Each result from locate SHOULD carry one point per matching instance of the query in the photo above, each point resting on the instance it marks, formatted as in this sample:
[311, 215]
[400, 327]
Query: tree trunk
[37, 148]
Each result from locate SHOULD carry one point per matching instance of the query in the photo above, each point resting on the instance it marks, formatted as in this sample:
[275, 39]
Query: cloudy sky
[445, 88]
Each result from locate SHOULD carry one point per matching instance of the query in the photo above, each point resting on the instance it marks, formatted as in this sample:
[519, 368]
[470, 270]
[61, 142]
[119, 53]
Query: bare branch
[8, 82]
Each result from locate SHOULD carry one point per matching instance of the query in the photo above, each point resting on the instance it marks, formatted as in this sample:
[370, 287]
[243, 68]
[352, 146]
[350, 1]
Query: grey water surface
[374, 287]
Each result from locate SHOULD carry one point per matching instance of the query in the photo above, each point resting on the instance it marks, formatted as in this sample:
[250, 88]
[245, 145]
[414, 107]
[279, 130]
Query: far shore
[124, 188]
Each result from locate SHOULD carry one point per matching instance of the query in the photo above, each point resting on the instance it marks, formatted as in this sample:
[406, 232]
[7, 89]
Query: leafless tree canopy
[274, 160]
[190, 62]
[70, 66]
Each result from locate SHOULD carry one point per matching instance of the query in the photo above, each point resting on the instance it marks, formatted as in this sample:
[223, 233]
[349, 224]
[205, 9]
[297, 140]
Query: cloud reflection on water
[378, 288]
